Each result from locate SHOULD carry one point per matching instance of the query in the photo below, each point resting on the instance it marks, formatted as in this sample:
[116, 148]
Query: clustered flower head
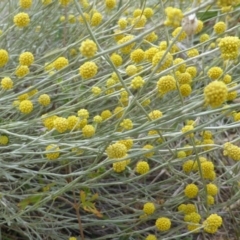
[174, 17]
[127, 142]
[149, 208]
[232, 151]
[131, 70]
[25, 3]
[120, 166]
[53, 152]
[73, 122]
[122, 23]
[192, 53]
[188, 128]
[212, 223]
[219, 27]
[137, 82]
[3, 57]
[96, 90]
[88, 48]
[207, 168]
[71, 18]
[151, 37]
[83, 113]
[21, 20]
[215, 72]
[155, 114]
[142, 167]
[88, 70]
[204, 37]
[126, 49]
[184, 78]
[166, 84]
[60, 63]
[6, 83]
[4, 140]
[60, 124]
[185, 90]
[44, 100]
[151, 237]
[64, 3]
[215, 93]
[163, 224]
[191, 190]
[96, 19]
[48, 122]
[88, 131]
[106, 114]
[229, 47]
[127, 124]
[26, 58]
[165, 62]
[150, 153]
[139, 21]
[192, 71]
[149, 53]
[116, 59]
[180, 33]
[21, 71]
[228, 3]
[137, 55]
[212, 189]
[182, 67]
[187, 208]
[116, 150]
[26, 106]
[148, 12]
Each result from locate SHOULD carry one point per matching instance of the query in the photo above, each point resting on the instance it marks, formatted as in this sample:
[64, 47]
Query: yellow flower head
[60, 124]
[53, 152]
[219, 27]
[3, 57]
[215, 93]
[25, 106]
[142, 167]
[88, 70]
[137, 82]
[116, 150]
[229, 47]
[163, 224]
[60, 63]
[88, 48]
[212, 223]
[191, 190]
[88, 131]
[96, 19]
[21, 20]
[44, 100]
[6, 83]
[166, 84]
[25, 3]
[26, 58]
[148, 208]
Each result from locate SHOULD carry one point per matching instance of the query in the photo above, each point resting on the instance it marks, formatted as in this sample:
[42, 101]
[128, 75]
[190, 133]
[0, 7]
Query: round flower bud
[26, 106]
[54, 154]
[44, 100]
[163, 224]
[21, 20]
[6, 83]
[142, 167]
[148, 208]
[26, 58]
